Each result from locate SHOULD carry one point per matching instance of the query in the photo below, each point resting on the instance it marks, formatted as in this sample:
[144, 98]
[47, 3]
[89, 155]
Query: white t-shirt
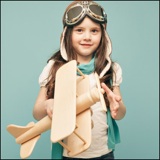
[98, 145]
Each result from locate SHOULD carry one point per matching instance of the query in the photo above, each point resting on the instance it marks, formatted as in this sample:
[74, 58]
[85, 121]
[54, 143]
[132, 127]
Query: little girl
[86, 40]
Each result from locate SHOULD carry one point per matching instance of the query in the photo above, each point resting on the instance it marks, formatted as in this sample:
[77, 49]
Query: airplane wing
[64, 111]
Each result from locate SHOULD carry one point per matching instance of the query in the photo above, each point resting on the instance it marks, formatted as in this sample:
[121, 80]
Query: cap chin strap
[108, 51]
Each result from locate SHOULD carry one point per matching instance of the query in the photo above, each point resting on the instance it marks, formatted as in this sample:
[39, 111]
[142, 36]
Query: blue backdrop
[31, 33]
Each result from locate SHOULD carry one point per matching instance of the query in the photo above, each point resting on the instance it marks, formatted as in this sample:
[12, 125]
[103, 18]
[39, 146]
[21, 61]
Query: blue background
[31, 33]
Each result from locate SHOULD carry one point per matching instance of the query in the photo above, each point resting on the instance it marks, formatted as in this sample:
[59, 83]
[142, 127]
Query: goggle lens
[96, 10]
[74, 12]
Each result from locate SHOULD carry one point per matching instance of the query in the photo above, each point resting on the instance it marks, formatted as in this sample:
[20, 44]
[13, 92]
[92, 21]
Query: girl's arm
[43, 106]
[117, 107]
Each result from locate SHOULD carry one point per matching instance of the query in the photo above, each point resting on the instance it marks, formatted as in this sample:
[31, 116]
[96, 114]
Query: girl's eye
[79, 30]
[94, 31]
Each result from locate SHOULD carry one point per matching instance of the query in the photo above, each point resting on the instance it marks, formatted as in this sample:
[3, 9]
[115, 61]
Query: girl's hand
[113, 100]
[49, 107]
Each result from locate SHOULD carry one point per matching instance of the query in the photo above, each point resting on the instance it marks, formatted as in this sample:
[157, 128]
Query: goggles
[78, 11]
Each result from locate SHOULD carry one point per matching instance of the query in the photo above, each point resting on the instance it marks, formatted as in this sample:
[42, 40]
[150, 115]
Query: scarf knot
[87, 68]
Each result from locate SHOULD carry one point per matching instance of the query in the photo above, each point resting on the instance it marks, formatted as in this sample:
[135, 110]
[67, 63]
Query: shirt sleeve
[117, 74]
[43, 78]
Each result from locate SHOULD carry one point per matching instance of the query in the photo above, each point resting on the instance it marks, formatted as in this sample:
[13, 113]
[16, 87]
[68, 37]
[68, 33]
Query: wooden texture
[64, 112]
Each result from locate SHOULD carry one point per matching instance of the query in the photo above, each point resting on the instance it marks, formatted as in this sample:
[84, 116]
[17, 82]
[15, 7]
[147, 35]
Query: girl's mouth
[87, 45]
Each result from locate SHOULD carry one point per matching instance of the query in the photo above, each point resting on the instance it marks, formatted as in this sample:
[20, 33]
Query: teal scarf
[87, 68]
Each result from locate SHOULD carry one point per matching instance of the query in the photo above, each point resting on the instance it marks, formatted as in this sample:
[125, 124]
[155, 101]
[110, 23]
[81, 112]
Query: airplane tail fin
[28, 146]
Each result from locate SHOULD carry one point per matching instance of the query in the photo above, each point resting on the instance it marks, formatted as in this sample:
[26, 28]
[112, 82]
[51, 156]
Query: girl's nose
[87, 36]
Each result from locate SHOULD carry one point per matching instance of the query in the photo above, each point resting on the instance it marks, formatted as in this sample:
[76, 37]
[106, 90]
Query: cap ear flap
[108, 52]
[62, 45]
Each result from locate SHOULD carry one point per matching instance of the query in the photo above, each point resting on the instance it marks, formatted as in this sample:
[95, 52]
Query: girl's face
[86, 38]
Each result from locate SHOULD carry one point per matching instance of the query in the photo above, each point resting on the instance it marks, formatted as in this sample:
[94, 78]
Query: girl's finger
[118, 98]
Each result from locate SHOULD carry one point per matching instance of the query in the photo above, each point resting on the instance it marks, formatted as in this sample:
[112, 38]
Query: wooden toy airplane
[71, 121]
